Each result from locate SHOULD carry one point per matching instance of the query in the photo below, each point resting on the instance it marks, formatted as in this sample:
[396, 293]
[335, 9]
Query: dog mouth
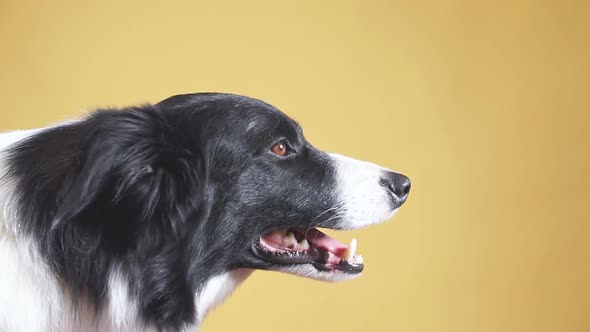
[292, 246]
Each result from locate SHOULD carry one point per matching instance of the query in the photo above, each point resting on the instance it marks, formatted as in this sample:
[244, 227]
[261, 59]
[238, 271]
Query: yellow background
[485, 105]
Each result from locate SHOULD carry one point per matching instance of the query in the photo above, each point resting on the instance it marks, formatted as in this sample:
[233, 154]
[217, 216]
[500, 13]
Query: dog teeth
[290, 240]
[358, 259]
[349, 253]
[304, 245]
[352, 248]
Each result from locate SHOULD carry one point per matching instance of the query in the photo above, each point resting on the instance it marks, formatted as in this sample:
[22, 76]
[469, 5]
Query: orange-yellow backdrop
[485, 105]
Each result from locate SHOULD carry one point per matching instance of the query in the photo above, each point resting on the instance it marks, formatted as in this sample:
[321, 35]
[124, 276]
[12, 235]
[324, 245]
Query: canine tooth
[349, 253]
[290, 239]
[304, 245]
[358, 259]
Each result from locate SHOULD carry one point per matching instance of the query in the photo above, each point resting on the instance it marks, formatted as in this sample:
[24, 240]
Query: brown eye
[280, 149]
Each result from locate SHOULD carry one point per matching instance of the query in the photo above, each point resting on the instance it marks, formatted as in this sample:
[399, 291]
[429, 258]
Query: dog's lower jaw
[217, 289]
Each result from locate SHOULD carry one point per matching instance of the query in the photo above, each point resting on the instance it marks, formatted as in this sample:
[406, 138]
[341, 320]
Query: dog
[145, 218]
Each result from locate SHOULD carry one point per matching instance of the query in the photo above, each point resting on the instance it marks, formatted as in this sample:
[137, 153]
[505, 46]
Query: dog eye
[280, 149]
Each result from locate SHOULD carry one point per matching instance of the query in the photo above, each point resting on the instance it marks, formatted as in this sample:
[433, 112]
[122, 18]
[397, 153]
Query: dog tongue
[322, 240]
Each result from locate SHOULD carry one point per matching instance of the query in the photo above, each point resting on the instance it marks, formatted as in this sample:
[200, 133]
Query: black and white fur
[143, 218]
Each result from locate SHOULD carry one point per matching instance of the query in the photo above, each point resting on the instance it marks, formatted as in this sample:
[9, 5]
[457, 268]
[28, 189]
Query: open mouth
[290, 246]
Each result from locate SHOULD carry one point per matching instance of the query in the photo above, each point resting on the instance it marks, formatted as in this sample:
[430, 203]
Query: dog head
[269, 189]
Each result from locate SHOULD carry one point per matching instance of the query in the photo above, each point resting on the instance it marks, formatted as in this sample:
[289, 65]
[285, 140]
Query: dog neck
[217, 289]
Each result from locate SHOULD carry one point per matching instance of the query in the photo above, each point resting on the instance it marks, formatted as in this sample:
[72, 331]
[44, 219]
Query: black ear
[132, 163]
[85, 189]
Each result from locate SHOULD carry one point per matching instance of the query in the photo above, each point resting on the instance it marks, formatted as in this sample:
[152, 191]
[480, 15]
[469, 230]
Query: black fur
[171, 194]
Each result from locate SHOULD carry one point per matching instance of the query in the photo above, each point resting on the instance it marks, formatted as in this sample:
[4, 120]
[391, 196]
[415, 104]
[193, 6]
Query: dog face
[270, 188]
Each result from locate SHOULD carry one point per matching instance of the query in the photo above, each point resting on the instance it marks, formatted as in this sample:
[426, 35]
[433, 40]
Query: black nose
[398, 186]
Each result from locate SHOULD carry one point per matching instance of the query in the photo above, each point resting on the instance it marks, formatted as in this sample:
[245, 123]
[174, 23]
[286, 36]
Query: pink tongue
[319, 239]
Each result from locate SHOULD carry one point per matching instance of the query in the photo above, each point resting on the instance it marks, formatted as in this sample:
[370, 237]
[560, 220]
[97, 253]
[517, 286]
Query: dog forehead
[237, 116]
[262, 121]
[270, 121]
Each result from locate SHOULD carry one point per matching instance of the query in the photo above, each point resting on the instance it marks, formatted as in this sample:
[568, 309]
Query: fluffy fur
[144, 218]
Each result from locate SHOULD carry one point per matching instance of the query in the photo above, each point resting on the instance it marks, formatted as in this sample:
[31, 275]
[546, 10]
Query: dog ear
[133, 164]
[86, 187]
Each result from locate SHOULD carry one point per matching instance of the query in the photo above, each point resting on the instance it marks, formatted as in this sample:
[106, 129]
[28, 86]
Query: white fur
[30, 297]
[251, 125]
[217, 289]
[308, 271]
[122, 307]
[365, 201]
